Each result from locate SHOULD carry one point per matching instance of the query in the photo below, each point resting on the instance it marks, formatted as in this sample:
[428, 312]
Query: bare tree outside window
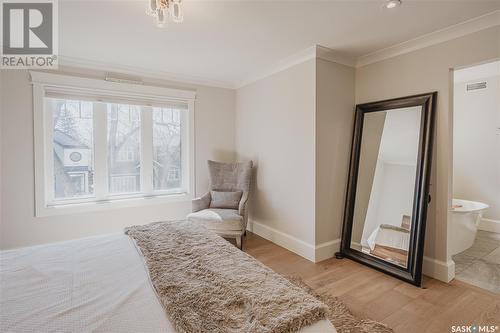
[166, 148]
[73, 133]
[124, 141]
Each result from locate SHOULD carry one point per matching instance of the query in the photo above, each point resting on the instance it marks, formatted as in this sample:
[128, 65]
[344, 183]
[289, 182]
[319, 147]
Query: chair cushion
[229, 176]
[218, 219]
[226, 200]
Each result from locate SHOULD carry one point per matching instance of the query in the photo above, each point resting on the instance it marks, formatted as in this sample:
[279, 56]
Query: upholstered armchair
[223, 209]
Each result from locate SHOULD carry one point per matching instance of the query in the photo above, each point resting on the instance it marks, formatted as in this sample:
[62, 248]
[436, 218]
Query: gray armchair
[224, 208]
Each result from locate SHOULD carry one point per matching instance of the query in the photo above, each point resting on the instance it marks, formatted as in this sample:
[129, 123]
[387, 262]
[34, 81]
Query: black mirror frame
[413, 272]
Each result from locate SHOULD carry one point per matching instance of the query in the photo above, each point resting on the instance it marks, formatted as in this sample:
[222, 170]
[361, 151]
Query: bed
[95, 284]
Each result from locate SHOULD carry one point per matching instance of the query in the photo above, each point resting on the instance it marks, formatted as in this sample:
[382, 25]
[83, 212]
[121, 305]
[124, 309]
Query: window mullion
[187, 149]
[100, 151]
[147, 150]
[48, 119]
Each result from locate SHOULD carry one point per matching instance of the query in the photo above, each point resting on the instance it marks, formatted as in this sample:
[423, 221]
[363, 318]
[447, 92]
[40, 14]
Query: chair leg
[239, 242]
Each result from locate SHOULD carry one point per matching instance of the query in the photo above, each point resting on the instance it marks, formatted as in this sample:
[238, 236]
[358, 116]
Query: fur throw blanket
[208, 285]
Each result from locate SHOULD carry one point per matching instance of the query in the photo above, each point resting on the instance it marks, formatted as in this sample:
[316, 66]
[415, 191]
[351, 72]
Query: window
[124, 145]
[104, 142]
[166, 148]
[73, 148]
[124, 184]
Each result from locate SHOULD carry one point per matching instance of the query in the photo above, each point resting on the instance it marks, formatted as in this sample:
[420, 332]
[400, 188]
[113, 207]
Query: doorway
[474, 218]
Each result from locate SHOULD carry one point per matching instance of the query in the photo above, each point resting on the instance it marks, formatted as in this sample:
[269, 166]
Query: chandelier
[163, 10]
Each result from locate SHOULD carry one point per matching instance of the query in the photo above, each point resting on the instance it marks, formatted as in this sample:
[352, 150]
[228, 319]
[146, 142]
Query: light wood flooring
[371, 294]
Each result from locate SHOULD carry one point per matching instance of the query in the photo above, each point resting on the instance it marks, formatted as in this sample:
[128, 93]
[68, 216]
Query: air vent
[475, 86]
[122, 78]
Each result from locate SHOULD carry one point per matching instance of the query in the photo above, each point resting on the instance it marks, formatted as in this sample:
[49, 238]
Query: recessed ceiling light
[393, 4]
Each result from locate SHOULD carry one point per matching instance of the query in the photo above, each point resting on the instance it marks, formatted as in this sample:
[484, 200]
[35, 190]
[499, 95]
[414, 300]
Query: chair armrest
[243, 204]
[201, 203]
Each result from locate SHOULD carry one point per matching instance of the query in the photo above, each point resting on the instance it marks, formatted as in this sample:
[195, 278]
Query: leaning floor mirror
[388, 187]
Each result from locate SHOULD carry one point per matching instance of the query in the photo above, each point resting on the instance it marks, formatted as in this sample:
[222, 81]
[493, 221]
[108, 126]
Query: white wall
[476, 144]
[427, 70]
[296, 124]
[394, 197]
[214, 131]
[334, 122]
[397, 196]
[275, 128]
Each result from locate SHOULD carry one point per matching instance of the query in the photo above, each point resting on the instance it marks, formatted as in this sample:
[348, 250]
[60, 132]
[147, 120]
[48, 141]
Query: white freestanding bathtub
[465, 218]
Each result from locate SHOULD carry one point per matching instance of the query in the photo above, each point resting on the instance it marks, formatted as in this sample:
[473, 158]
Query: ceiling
[228, 41]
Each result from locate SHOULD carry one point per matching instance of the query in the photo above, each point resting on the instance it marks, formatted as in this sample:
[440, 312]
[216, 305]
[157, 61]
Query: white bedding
[96, 284]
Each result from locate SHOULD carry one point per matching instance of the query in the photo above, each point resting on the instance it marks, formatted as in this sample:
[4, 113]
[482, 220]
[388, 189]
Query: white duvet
[96, 284]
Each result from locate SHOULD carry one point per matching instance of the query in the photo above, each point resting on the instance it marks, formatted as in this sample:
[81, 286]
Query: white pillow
[226, 200]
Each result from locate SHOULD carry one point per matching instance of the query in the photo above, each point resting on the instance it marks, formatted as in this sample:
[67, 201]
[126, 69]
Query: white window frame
[99, 89]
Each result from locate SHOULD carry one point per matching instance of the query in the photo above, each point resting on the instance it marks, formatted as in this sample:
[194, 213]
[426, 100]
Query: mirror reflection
[386, 183]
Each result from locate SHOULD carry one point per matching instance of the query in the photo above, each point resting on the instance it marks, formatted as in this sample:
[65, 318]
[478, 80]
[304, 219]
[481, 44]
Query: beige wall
[275, 129]
[334, 122]
[423, 71]
[297, 126]
[214, 131]
[1, 155]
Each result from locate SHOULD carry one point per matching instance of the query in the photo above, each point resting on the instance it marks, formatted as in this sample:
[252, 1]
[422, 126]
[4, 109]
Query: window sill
[94, 206]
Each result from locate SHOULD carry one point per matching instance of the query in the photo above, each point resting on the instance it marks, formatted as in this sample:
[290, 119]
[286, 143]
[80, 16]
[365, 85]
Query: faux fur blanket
[208, 285]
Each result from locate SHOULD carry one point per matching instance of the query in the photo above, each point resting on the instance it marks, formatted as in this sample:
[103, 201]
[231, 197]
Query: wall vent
[123, 78]
[475, 86]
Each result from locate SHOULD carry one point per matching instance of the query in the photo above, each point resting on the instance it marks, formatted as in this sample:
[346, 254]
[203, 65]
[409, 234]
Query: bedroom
[196, 91]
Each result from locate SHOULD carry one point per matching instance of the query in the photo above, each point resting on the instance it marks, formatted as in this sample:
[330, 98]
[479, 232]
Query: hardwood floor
[371, 294]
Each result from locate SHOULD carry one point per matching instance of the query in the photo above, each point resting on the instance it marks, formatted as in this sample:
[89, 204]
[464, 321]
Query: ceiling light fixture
[163, 10]
[392, 4]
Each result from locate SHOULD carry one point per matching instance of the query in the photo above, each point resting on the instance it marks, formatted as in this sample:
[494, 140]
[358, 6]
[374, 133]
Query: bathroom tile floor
[479, 265]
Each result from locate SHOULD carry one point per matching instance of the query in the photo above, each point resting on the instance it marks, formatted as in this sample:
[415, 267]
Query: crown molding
[290, 61]
[313, 52]
[321, 52]
[455, 31]
[141, 72]
[337, 57]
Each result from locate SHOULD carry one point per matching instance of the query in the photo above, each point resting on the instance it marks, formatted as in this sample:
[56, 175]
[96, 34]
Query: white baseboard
[310, 252]
[285, 240]
[439, 270]
[489, 225]
[326, 250]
